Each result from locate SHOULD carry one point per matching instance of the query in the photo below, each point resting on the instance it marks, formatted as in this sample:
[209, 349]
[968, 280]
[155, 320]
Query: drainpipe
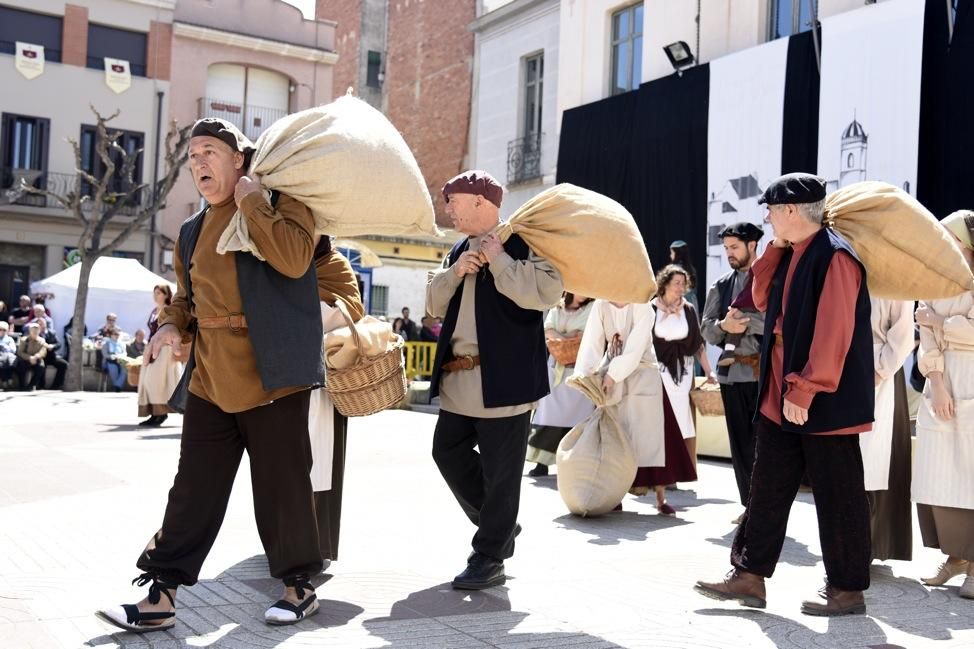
[155, 182]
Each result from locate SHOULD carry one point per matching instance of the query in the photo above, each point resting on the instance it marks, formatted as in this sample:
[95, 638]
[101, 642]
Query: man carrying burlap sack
[248, 385]
[489, 370]
[816, 395]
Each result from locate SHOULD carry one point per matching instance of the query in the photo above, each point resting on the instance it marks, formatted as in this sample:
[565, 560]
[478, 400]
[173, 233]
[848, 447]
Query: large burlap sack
[349, 165]
[596, 464]
[908, 255]
[592, 240]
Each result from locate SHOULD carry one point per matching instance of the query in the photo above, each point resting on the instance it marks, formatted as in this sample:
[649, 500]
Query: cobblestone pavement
[82, 489]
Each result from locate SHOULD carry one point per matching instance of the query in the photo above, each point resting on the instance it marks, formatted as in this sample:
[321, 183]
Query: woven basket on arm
[706, 399]
[564, 350]
[373, 383]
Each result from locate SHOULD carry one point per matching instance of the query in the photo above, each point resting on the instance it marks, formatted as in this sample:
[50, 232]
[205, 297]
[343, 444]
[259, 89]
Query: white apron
[943, 467]
[676, 327]
[321, 416]
[877, 444]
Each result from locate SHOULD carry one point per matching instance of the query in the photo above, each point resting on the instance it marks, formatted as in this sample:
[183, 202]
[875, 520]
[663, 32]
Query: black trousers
[486, 484]
[834, 464]
[276, 439]
[740, 404]
[36, 374]
[61, 365]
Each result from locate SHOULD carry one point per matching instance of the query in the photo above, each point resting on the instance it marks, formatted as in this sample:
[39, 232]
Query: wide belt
[750, 360]
[458, 363]
[234, 322]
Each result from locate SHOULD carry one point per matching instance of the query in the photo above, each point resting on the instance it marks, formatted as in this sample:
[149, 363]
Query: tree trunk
[74, 380]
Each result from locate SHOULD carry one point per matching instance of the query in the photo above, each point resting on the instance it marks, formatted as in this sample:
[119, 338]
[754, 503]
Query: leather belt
[750, 360]
[779, 339]
[461, 363]
[234, 322]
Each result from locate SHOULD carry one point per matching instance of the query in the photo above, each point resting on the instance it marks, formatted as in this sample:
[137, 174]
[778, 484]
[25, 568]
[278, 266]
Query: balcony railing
[524, 159]
[59, 183]
[252, 120]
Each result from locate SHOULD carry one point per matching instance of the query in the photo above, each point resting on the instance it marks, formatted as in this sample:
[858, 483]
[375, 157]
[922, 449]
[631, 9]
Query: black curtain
[666, 187]
[595, 141]
[946, 108]
[799, 136]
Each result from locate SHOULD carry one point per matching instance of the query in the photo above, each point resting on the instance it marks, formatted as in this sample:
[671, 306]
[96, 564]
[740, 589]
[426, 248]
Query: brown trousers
[276, 439]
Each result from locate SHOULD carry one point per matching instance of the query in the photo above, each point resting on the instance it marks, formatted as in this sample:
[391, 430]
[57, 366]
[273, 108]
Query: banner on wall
[747, 92]
[29, 59]
[118, 76]
[869, 107]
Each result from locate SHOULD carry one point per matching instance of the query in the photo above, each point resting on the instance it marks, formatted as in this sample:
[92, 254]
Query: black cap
[744, 231]
[223, 130]
[792, 189]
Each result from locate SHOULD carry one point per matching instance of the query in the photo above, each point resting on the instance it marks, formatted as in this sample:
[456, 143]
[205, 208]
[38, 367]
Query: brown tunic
[226, 369]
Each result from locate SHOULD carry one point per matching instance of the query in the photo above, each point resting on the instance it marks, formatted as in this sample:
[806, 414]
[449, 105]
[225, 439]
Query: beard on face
[736, 263]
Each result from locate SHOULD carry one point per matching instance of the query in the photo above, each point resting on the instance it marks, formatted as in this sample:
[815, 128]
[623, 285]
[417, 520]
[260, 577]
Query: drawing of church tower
[852, 163]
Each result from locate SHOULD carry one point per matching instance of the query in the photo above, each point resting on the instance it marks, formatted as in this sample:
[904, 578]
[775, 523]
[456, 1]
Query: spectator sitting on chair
[30, 356]
[8, 354]
[111, 351]
[39, 312]
[105, 332]
[137, 347]
[20, 315]
[52, 358]
[426, 334]
[67, 337]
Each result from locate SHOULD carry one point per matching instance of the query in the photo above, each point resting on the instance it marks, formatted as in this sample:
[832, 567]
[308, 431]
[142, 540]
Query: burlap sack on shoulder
[349, 165]
[908, 255]
[591, 239]
[596, 464]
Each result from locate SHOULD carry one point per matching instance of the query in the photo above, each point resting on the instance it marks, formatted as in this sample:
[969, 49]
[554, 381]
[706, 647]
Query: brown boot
[833, 601]
[745, 587]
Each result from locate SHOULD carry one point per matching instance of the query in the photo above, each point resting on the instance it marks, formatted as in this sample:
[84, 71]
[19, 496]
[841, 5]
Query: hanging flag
[118, 77]
[29, 60]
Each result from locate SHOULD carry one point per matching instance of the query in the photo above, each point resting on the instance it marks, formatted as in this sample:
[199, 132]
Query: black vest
[283, 314]
[852, 404]
[513, 356]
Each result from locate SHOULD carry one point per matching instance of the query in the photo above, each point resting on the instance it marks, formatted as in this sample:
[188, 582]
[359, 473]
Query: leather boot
[833, 601]
[745, 587]
[482, 572]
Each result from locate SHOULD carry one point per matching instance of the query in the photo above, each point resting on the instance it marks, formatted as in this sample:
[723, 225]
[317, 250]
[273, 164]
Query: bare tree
[97, 200]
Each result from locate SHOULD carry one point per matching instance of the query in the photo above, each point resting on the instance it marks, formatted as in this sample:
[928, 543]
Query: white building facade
[513, 132]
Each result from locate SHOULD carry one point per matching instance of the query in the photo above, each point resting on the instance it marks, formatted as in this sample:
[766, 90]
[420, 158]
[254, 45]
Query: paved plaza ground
[82, 489]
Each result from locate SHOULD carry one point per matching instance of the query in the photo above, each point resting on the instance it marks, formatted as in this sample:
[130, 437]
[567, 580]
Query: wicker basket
[564, 350]
[132, 374]
[373, 384]
[707, 401]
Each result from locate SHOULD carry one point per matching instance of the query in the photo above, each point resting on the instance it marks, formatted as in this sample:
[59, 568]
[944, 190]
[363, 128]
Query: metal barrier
[419, 360]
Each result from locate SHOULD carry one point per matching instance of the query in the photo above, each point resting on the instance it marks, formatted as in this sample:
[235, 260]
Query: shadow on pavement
[849, 632]
[440, 617]
[944, 610]
[615, 527]
[793, 553]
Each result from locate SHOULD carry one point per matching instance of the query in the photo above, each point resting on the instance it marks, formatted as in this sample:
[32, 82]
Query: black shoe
[538, 471]
[151, 421]
[159, 420]
[481, 572]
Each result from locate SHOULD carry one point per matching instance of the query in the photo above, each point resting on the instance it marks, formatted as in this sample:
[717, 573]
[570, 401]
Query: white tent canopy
[117, 285]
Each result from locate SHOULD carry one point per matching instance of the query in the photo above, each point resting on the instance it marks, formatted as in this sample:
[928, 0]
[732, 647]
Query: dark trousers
[486, 484]
[834, 464]
[740, 404]
[36, 374]
[276, 439]
[61, 366]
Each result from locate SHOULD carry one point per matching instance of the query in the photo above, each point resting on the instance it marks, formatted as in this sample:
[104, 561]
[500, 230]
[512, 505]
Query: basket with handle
[373, 383]
[706, 399]
[564, 350]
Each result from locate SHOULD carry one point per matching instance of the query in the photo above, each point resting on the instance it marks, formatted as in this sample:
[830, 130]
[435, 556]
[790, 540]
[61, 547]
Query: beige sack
[596, 464]
[349, 165]
[908, 255]
[376, 336]
[592, 241]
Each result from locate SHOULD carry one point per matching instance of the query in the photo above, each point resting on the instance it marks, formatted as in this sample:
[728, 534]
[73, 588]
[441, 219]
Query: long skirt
[543, 443]
[157, 381]
[949, 528]
[328, 504]
[557, 413]
[678, 466]
[891, 517]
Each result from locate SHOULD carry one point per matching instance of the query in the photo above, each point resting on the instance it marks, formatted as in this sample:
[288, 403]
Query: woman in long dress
[158, 378]
[886, 448]
[564, 407]
[620, 336]
[329, 428]
[943, 470]
[678, 342]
